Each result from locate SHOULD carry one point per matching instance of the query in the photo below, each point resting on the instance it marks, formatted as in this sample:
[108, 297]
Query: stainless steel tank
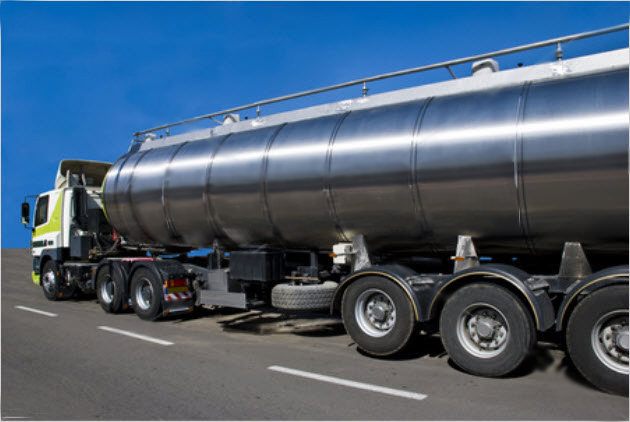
[522, 169]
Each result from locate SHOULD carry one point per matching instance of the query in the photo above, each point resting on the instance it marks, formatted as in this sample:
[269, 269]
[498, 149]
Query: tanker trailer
[491, 208]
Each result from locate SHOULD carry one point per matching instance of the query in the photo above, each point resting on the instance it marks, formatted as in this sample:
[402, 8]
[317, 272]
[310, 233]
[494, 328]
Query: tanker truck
[492, 209]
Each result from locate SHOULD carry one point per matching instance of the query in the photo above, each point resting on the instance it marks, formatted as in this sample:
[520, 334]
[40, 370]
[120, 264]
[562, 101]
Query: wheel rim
[49, 281]
[144, 294]
[483, 330]
[375, 312]
[609, 339]
[108, 290]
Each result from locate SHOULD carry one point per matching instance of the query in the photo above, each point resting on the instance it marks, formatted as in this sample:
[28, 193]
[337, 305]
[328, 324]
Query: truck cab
[63, 217]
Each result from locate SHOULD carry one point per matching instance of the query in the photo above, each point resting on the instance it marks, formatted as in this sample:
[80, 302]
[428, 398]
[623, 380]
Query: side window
[41, 212]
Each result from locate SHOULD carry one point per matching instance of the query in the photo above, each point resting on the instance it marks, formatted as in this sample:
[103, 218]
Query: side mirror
[26, 213]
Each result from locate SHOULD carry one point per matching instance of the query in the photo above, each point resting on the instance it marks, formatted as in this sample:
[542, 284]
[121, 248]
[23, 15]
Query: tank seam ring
[519, 177]
[416, 197]
[167, 215]
[531, 304]
[263, 188]
[115, 203]
[590, 283]
[211, 217]
[332, 208]
[415, 308]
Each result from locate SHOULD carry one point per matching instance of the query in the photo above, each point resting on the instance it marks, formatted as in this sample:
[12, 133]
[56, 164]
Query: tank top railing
[445, 65]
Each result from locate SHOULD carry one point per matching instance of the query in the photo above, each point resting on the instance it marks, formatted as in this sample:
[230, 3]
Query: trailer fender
[398, 274]
[164, 270]
[153, 266]
[529, 289]
[603, 278]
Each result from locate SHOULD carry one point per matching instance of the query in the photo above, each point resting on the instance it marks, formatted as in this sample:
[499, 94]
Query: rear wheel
[146, 294]
[486, 330]
[597, 338]
[378, 315]
[109, 291]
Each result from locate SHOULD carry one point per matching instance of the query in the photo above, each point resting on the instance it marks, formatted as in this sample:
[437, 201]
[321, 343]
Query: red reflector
[178, 282]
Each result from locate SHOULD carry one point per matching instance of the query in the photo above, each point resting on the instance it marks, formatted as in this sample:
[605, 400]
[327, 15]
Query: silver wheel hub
[622, 339]
[485, 327]
[482, 330]
[48, 280]
[609, 339]
[144, 294]
[108, 290]
[375, 312]
[379, 312]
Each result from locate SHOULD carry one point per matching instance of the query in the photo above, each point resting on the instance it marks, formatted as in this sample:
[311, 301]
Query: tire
[53, 283]
[378, 315]
[313, 297]
[594, 328]
[146, 294]
[109, 291]
[494, 311]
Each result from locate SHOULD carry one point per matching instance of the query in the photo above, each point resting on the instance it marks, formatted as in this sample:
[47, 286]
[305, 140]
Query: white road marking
[134, 335]
[15, 417]
[36, 311]
[348, 383]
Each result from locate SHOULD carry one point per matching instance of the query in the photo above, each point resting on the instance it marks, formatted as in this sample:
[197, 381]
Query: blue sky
[78, 78]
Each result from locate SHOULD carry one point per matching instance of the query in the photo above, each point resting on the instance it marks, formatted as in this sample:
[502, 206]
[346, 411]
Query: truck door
[40, 220]
[47, 222]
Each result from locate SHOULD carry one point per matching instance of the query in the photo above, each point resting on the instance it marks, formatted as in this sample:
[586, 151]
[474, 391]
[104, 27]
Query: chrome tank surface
[522, 169]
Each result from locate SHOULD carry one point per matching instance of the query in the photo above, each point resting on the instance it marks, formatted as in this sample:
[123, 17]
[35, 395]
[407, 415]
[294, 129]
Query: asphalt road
[215, 365]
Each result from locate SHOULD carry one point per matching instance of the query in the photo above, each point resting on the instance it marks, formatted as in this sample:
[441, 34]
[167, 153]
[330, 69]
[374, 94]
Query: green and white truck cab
[75, 248]
[60, 220]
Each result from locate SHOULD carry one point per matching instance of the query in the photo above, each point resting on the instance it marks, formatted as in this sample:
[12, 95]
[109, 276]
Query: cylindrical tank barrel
[521, 169]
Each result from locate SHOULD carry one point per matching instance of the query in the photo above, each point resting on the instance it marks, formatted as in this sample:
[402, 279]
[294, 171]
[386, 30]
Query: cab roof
[81, 172]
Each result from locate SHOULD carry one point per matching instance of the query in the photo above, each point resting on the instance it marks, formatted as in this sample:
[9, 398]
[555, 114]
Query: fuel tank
[521, 160]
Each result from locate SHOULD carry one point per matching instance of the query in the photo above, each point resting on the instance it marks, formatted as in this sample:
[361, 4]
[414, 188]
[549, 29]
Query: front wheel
[146, 294]
[597, 338]
[378, 315]
[486, 330]
[53, 283]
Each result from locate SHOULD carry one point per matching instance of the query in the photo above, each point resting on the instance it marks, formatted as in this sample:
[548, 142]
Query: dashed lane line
[136, 335]
[348, 383]
[36, 311]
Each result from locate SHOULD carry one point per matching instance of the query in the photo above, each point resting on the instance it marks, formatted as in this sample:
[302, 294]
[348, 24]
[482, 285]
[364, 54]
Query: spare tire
[308, 297]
